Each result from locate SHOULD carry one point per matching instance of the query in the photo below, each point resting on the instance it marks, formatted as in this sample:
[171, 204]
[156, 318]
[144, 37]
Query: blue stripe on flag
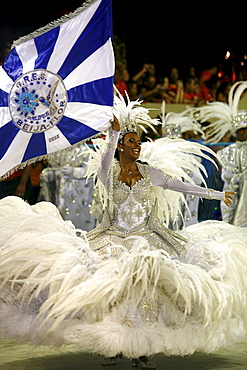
[45, 44]
[36, 147]
[4, 101]
[96, 92]
[13, 65]
[7, 135]
[95, 35]
[75, 131]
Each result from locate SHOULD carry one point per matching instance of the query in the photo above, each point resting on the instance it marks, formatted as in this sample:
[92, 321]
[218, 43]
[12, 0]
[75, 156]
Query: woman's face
[242, 134]
[166, 82]
[133, 89]
[131, 146]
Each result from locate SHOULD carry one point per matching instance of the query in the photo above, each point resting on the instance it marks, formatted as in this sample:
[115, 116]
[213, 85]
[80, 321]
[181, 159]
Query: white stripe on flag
[95, 116]
[98, 65]
[4, 116]
[6, 81]
[55, 140]
[15, 152]
[68, 35]
[28, 54]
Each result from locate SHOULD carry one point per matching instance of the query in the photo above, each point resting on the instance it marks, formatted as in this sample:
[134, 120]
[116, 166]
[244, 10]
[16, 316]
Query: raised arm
[108, 156]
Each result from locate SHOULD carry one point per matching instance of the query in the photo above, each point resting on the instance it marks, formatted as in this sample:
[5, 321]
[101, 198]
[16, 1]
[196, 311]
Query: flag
[56, 86]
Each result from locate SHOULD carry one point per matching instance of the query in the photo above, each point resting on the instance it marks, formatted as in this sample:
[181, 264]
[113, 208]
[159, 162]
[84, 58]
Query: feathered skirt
[55, 290]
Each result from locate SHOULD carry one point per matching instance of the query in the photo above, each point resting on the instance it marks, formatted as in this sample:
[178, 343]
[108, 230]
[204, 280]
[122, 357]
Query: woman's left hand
[228, 197]
[115, 124]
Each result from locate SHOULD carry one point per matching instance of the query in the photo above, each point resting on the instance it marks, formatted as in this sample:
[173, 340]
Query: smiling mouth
[136, 151]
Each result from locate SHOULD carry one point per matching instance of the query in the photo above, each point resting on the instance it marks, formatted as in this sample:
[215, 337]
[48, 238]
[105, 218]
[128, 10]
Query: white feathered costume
[140, 289]
[228, 117]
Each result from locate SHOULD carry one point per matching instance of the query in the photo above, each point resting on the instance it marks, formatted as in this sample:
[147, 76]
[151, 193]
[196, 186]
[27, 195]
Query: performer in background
[130, 286]
[234, 174]
[227, 117]
[64, 184]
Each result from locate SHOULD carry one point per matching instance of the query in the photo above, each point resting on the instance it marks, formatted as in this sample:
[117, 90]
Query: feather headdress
[226, 117]
[174, 124]
[131, 116]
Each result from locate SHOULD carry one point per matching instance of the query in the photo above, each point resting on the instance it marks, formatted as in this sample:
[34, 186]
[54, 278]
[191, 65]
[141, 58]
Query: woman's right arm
[107, 158]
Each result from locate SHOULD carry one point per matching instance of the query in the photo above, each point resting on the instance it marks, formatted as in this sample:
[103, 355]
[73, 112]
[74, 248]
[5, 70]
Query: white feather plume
[235, 94]
[176, 158]
[222, 114]
[183, 120]
[132, 112]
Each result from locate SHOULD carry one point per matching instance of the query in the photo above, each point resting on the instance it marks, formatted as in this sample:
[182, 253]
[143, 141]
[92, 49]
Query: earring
[121, 149]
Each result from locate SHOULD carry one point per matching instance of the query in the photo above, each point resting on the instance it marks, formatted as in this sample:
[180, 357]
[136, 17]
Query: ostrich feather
[222, 114]
[131, 113]
[183, 120]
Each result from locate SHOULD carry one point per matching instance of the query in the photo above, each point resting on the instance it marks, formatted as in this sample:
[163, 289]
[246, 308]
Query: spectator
[192, 71]
[170, 96]
[151, 70]
[204, 90]
[140, 76]
[121, 78]
[190, 96]
[133, 90]
[151, 92]
[174, 80]
[147, 70]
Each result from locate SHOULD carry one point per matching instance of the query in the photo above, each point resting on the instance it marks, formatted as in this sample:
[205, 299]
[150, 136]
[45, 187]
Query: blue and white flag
[56, 86]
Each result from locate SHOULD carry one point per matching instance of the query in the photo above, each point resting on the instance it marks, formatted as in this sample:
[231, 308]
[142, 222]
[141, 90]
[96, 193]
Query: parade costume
[64, 184]
[234, 175]
[131, 285]
[227, 117]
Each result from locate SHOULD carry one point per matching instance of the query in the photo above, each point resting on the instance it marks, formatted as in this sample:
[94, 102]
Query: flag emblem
[37, 101]
[56, 86]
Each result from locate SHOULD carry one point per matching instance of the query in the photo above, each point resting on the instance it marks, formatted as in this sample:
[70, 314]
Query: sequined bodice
[235, 156]
[140, 191]
[133, 211]
[131, 204]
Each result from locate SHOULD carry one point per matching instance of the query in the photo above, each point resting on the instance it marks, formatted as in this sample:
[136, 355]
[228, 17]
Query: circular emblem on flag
[37, 101]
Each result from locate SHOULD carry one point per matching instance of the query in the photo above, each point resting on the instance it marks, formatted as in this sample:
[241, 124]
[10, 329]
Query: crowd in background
[193, 89]
[188, 85]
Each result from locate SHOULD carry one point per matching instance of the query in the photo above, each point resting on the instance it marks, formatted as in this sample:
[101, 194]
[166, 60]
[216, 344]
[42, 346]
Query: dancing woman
[134, 213]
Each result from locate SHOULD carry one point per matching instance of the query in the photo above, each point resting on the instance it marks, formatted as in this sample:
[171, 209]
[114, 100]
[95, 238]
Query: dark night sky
[154, 32]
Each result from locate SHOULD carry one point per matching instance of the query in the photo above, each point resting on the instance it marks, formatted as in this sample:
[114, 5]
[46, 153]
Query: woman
[131, 213]
[130, 286]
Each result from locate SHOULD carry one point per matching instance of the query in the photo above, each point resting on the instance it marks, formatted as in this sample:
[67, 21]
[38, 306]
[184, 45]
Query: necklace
[129, 171]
